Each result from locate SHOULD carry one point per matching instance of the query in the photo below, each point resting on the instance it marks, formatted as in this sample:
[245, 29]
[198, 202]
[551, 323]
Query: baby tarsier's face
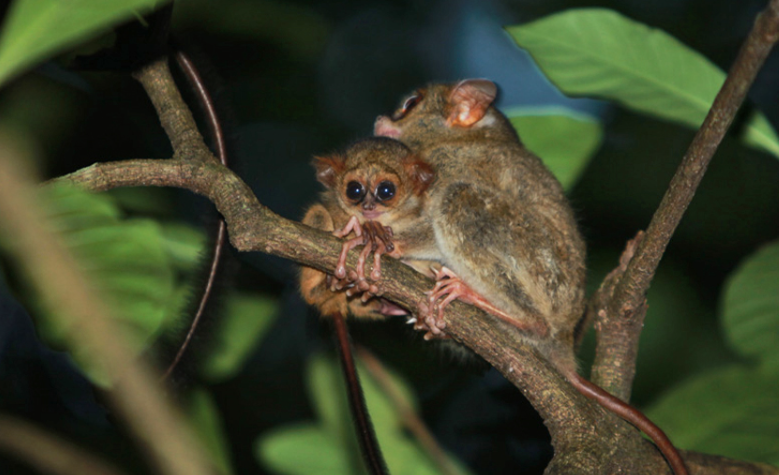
[378, 178]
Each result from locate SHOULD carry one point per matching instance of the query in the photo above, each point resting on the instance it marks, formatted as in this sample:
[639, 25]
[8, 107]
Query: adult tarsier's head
[375, 177]
[442, 111]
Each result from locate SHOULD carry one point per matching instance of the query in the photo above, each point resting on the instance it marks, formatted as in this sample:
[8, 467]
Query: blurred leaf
[143, 200]
[184, 244]
[245, 321]
[750, 307]
[297, 450]
[303, 449]
[124, 260]
[598, 52]
[204, 416]
[540, 129]
[731, 412]
[35, 30]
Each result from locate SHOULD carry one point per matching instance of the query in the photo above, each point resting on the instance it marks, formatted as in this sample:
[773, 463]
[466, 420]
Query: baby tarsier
[471, 205]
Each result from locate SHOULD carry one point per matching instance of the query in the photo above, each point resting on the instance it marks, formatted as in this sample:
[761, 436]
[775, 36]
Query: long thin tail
[220, 239]
[635, 417]
[369, 444]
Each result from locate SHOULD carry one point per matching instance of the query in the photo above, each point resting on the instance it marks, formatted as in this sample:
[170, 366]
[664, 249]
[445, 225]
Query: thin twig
[48, 453]
[175, 117]
[630, 291]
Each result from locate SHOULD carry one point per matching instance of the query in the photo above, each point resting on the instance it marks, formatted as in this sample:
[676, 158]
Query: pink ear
[470, 99]
[328, 168]
[421, 174]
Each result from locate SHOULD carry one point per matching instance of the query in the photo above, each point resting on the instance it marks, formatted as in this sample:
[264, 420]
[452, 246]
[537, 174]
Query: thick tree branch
[619, 318]
[586, 438]
[576, 423]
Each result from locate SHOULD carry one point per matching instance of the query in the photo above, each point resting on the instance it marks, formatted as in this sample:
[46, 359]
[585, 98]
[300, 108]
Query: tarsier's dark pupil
[385, 190]
[354, 191]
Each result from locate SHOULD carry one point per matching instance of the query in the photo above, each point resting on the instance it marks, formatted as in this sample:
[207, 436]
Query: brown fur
[500, 219]
[369, 162]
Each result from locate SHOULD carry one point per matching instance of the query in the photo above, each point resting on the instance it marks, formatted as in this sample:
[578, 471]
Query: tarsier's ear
[470, 99]
[420, 173]
[328, 168]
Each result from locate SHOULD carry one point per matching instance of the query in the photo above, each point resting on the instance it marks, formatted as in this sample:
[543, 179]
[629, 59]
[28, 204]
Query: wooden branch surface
[619, 316]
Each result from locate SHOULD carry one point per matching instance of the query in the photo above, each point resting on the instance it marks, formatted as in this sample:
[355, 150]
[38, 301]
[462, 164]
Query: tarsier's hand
[377, 239]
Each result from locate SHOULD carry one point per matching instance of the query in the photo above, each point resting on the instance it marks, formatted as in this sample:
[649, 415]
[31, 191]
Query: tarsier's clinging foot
[375, 238]
[450, 287]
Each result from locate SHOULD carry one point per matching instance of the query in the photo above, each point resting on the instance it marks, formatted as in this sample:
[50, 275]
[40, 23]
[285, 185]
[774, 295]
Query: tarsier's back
[501, 219]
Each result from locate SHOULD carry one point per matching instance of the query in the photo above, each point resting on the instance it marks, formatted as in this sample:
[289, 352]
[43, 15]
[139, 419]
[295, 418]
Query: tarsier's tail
[374, 460]
[635, 417]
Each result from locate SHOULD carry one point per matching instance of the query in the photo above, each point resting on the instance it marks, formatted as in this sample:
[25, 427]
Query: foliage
[35, 30]
[124, 259]
[739, 417]
[599, 53]
[540, 130]
[329, 445]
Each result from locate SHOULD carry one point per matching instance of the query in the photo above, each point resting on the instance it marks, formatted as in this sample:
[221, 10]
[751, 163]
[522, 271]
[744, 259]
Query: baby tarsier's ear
[328, 168]
[421, 173]
[470, 99]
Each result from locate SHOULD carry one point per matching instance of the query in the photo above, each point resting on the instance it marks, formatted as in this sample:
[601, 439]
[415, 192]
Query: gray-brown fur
[501, 220]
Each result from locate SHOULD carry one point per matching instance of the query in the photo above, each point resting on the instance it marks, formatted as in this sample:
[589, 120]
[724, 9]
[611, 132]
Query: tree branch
[619, 318]
[586, 438]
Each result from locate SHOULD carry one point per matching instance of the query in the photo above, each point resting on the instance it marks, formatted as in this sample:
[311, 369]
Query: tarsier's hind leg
[494, 268]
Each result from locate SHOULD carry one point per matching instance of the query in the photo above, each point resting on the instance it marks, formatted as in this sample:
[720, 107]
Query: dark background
[297, 78]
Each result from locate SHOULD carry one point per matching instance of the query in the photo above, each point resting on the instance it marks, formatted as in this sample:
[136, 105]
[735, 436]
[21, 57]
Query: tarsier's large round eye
[385, 191]
[410, 103]
[355, 191]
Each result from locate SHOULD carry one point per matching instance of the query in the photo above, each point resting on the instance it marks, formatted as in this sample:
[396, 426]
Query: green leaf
[731, 412]
[184, 244]
[35, 30]
[204, 417]
[125, 261]
[298, 450]
[302, 449]
[598, 52]
[540, 130]
[246, 318]
[750, 306]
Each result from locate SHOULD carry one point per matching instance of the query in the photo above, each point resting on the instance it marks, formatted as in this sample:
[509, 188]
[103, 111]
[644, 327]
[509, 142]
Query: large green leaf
[330, 446]
[730, 412]
[598, 52]
[244, 322]
[750, 306]
[541, 129]
[125, 261]
[35, 30]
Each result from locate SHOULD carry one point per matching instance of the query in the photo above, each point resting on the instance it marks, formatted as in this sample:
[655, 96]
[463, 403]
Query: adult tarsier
[467, 204]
